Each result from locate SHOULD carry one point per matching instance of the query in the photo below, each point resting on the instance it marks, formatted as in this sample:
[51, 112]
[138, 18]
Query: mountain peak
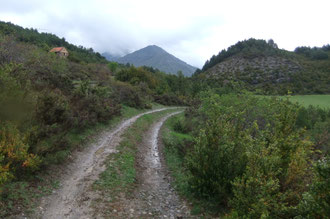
[156, 57]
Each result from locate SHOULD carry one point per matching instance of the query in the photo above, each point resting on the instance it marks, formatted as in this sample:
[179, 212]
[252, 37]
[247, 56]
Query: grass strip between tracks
[119, 177]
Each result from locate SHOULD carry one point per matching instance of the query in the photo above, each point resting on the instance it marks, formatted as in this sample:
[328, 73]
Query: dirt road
[154, 196]
[73, 198]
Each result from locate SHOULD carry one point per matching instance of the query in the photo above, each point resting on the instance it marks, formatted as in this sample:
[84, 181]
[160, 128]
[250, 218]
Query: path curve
[72, 199]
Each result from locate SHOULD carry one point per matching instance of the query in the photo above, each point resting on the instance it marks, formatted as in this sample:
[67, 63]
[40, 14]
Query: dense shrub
[127, 94]
[320, 134]
[309, 116]
[250, 156]
[168, 99]
[276, 174]
[136, 75]
[317, 122]
[14, 155]
[216, 159]
[53, 108]
[316, 202]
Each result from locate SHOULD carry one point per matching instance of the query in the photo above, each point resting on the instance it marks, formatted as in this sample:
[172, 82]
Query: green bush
[249, 155]
[216, 159]
[275, 176]
[316, 202]
[128, 95]
[53, 108]
[321, 136]
[14, 153]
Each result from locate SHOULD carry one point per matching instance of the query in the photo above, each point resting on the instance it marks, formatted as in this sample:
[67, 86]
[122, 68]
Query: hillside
[156, 57]
[47, 41]
[260, 65]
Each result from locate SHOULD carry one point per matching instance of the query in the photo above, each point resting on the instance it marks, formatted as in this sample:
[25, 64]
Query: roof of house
[57, 49]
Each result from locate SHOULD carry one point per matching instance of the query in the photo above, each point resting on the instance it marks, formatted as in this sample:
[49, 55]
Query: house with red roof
[60, 51]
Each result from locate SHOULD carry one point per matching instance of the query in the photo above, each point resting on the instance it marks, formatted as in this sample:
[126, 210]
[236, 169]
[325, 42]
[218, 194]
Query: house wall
[63, 53]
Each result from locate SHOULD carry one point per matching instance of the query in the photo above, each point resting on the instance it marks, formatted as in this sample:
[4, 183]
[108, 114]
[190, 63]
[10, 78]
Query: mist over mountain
[110, 57]
[155, 57]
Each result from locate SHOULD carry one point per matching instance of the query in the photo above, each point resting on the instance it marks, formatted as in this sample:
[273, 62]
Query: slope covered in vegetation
[47, 41]
[260, 66]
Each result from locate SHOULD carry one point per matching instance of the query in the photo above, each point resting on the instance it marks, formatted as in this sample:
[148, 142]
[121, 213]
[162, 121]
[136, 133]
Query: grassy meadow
[322, 101]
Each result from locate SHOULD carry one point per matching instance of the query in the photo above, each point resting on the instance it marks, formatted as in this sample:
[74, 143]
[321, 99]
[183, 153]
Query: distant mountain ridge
[155, 57]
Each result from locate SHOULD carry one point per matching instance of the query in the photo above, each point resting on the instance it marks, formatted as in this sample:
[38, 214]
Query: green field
[322, 101]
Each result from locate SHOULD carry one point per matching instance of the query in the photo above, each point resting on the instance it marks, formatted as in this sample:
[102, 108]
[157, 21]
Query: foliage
[314, 53]
[47, 41]
[165, 89]
[248, 48]
[264, 69]
[136, 75]
[315, 202]
[14, 155]
[248, 155]
[276, 173]
[317, 122]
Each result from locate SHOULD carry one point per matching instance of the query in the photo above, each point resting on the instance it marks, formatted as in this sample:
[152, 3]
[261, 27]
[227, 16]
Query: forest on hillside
[233, 154]
[261, 67]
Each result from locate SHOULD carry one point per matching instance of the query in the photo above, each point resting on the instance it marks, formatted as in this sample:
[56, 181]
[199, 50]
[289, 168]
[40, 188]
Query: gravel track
[154, 197]
[73, 198]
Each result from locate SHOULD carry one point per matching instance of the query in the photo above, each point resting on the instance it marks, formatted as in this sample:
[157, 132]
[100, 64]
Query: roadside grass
[119, 177]
[21, 196]
[175, 143]
[172, 142]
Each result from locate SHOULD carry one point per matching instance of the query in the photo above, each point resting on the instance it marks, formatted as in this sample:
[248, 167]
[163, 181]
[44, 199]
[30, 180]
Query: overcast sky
[191, 30]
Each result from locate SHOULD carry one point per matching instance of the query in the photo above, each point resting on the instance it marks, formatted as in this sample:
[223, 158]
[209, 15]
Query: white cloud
[191, 30]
